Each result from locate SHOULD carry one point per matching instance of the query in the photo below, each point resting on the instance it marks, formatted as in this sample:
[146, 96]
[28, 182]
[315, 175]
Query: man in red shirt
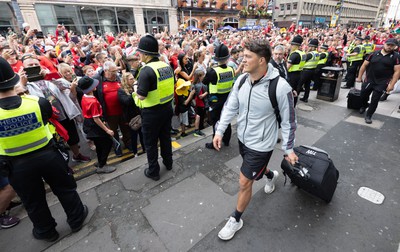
[49, 61]
[107, 93]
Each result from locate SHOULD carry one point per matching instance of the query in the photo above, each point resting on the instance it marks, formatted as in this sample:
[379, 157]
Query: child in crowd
[184, 97]
[93, 126]
[200, 98]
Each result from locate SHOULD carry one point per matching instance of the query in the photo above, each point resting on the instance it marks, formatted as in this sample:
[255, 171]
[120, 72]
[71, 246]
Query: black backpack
[271, 93]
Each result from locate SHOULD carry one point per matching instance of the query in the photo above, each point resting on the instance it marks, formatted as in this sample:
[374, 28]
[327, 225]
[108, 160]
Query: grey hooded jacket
[257, 127]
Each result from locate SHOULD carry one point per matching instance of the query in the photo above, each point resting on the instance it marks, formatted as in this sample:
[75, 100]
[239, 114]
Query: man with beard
[49, 61]
[383, 71]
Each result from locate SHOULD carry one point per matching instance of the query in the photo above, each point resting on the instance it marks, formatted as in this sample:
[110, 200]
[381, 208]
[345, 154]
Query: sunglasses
[28, 56]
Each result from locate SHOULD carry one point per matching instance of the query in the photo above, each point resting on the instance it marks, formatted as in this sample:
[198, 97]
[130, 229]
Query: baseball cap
[391, 41]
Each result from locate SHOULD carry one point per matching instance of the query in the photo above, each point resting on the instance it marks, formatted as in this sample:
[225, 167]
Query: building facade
[79, 15]
[319, 13]
[212, 14]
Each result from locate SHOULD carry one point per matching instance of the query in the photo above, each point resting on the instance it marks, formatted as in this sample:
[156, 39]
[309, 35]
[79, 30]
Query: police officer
[308, 72]
[369, 47]
[324, 58]
[220, 80]
[28, 155]
[295, 64]
[153, 94]
[355, 59]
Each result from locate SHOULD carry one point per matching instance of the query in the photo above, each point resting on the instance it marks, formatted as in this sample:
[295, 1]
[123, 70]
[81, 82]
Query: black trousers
[27, 173]
[215, 115]
[134, 137]
[352, 72]
[306, 76]
[317, 77]
[294, 79]
[103, 148]
[156, 126]
[377, 91]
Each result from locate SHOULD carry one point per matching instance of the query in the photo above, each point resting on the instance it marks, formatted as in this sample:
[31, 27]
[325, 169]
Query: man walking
[257, 125]
[383, 71]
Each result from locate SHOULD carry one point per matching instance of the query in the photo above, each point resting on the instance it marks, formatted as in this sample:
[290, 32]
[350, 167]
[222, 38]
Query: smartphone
[75, 39]
[33, 73]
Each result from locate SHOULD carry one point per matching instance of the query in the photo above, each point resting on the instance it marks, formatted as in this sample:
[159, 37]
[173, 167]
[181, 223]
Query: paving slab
[292, 220]
[183, 214]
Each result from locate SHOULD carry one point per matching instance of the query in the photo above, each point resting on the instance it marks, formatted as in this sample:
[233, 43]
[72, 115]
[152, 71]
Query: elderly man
[278, 61]
[107, 94]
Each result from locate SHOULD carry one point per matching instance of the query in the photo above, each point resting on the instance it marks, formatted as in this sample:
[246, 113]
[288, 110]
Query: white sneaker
[230, 228]
[270, 185]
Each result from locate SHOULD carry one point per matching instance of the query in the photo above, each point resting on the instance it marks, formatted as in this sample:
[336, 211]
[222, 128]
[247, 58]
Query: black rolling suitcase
[354, 99]
[314, 173]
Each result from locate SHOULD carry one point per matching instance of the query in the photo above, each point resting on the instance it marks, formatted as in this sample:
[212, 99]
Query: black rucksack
[271, 93]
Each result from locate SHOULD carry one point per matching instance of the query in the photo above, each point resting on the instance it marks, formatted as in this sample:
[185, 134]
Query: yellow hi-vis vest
[323, 61]
[22, 129]
[357, 57]
[225, 79]
[369, 48]
[300, 66]
[165, 86]
[313, 62]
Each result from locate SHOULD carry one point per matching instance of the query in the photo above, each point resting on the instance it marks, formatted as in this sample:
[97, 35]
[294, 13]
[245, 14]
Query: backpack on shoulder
[271, 93]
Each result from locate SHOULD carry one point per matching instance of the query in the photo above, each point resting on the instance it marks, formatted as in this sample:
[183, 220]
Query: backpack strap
[272, 97]
[242, 81]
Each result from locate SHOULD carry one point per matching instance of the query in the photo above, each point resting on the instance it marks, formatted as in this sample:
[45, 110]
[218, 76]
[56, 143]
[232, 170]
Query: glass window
[126, 20]
[7, 18]
[108, 20]
[294, 6]
[288, 6]
[155, 20]
[282, 7]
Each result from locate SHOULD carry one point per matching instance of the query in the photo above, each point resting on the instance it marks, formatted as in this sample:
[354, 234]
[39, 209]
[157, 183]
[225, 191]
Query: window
[294, 6]
[288, 6]
[7, 18]
[155, 20]
[282, 7]
[79, 18]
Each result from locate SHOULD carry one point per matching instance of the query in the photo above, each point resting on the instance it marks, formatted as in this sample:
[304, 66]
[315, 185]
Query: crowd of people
[129, 86]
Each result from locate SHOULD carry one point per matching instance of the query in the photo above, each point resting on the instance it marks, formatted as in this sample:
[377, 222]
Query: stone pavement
[186, 208]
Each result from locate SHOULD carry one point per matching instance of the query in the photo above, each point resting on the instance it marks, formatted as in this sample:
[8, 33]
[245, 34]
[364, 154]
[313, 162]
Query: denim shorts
[254, 162]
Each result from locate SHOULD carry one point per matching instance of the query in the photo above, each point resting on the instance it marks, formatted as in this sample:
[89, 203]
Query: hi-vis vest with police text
[22, 129]
[300, 66]
[369, 48]
[225, 79]
[313, 62]
[165, 86]
[359, 56]
[324, 60]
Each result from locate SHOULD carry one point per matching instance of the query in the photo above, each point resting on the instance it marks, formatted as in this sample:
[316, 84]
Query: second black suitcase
[314, 173]
[354, 99]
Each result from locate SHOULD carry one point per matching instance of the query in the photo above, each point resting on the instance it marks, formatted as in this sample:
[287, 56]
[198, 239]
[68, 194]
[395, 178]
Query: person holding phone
[60, 100]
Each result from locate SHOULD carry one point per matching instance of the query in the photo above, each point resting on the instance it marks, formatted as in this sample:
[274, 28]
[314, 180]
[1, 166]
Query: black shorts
[254, 162]
[69, 125]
